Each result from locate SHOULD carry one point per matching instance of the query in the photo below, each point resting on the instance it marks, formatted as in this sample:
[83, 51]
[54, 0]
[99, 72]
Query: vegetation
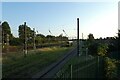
[49, 49]
[102, 49]
[82, 67]
[95, 48]
[15, 65]
[98, 47]
[6, 31]
[118, 39]
[29, 34]
[111, 68]
[40, 40]
[90, 37]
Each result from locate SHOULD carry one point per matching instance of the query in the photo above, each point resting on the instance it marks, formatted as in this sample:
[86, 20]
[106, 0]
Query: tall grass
[16, 65]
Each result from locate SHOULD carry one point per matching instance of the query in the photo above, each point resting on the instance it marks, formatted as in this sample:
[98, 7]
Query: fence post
[71, 71]
[98, 67]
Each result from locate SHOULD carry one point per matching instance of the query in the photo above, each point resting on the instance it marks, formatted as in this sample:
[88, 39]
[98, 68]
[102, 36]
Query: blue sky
[99, 18]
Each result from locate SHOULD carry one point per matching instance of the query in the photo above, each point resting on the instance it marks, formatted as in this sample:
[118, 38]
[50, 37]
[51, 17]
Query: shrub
[110, 68]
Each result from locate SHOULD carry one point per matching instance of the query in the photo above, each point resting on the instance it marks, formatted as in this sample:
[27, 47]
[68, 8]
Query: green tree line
[104, 49]
[40, 39]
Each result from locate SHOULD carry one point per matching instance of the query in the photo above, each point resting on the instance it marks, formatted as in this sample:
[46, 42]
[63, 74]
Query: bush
[102, 49]
[110, 68]
[15, 42]
[92, 49]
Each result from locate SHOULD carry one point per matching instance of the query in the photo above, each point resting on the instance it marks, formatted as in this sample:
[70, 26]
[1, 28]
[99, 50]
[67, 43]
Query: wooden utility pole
[34, 46]
[78, 36]
[25, 40]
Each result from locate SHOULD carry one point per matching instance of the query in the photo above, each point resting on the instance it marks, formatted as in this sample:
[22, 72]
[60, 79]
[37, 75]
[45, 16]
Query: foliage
[98, 49]
[90, 41]
[119, 38]
[92, 48]
[40, 39]
[6, 31]
[102, 49]
[29, 33]
[95, 48]
[110, 68]
[50, 38]
[119, 33]
[40, 35]
[15, 42]
[90, 37]
[6, 28]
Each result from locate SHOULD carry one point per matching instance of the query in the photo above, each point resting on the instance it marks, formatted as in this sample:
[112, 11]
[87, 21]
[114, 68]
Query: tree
[118, 43]
[90, 37]
[102, 49]
[29, 34]
[6, 31]
[40, 35]
[65, 38]
[92, 48]
[0, 33]
[40, 39]
[15, 42]
[119, 38]
[60, 37]
[119, 33]
[50, 38]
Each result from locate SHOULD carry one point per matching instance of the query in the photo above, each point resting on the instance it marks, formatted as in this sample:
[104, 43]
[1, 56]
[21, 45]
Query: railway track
[55, 67]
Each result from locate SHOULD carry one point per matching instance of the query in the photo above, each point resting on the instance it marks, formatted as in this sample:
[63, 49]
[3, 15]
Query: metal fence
[64, 73]
[72, 70]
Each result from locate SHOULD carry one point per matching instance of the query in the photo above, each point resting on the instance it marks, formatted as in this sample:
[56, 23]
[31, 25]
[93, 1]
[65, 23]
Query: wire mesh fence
[75, 70]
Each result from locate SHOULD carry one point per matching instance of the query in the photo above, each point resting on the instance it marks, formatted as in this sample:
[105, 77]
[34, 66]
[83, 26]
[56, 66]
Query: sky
[98, 18]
